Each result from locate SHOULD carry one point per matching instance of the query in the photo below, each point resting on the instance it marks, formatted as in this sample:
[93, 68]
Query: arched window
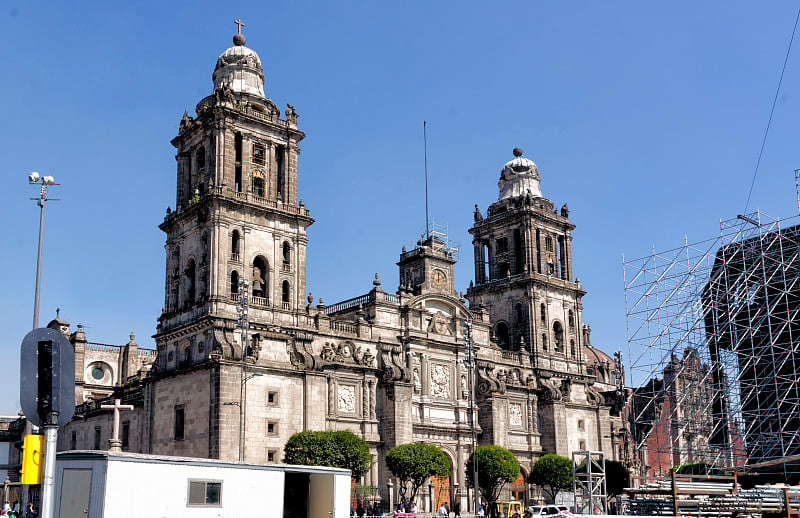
[259, 279]
[235, 245]
[544, 342]
[234, 284]
[558, 336]
[501, 334]
[542, 312]
[285, 293]
[191, 281]
[287, 254]
[571, 319]
[572, 348]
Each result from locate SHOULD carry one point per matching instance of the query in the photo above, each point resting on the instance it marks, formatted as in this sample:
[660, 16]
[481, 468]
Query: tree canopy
[340, 449]
[496, 466]
[552, 473]
[415, 463]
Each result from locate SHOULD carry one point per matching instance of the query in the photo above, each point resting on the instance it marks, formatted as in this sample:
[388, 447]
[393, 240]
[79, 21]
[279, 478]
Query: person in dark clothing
[457, 509]
[360, 511]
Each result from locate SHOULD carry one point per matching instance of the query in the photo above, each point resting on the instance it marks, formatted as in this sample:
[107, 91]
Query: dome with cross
[239, 69]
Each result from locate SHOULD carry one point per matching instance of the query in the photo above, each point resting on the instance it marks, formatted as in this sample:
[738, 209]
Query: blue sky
[646, 118]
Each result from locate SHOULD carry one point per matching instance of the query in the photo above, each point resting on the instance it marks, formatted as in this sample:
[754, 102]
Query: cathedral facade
[388, 365]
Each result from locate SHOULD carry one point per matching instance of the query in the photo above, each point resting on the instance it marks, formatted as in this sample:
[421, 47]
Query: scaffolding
[589, 482]
[714, 349]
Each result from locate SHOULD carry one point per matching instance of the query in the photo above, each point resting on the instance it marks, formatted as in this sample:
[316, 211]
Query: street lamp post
[470, 363]
[45, 181]
[243, 324]
[50, 431]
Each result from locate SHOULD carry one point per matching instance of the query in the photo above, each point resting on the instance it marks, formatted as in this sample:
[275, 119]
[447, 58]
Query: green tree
[341, 449]
[617, 477]
[415, 463]
[552, 473]
[496, 466]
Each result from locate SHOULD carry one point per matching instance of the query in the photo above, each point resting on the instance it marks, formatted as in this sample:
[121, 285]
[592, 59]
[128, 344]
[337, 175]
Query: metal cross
[114, 444]
[239, 24]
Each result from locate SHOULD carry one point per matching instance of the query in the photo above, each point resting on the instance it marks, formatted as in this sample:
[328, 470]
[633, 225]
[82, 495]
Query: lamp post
[470, 363]
[243, 324]
[45, 181]
[51, 432]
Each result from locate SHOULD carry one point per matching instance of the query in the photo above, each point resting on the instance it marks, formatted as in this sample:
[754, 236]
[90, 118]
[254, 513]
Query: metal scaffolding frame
[714, 348]
[589, 482]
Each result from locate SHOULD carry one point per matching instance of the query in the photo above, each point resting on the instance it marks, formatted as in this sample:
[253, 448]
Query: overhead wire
[772, 112]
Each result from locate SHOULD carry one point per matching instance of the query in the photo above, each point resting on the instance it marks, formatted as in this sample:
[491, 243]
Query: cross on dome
[238, 38]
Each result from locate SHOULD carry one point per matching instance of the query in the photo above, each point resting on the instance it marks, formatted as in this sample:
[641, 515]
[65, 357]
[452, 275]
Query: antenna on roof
[425, 143]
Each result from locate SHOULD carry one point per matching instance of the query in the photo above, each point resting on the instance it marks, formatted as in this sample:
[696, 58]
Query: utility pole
[470, 363]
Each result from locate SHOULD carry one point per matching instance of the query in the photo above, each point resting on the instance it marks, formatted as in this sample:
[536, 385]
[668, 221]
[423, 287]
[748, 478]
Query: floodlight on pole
[50, 426]
[34, 178]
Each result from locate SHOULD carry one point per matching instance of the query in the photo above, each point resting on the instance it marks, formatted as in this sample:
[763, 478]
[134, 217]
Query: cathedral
[245, 358]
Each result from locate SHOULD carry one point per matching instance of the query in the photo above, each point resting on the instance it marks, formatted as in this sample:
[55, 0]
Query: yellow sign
[32, 449]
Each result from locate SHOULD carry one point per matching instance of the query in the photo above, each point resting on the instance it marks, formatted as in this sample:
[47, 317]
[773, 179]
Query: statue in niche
[417, 382]
[514, 377]
[464, 388]
[358, 355]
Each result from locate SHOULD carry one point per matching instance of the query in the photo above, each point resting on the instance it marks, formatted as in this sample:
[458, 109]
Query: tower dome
[239, 68]
[519, 177]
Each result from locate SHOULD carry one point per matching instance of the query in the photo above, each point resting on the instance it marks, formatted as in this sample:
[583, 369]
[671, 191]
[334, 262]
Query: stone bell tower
[523, 271]
[236, 217]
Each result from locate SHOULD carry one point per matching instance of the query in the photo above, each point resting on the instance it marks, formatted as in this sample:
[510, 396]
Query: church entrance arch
[442, 487]
[518, 488]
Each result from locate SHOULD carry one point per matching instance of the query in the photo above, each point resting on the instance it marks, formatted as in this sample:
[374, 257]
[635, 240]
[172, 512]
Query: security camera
[33, 177]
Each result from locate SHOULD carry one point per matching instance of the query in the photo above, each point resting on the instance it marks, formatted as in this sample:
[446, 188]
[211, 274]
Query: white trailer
[97, 484]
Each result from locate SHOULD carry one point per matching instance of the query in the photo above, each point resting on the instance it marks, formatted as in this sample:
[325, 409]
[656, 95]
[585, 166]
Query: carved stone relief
[440, 381]
[439, 324]
[347, 399]
[515, 414]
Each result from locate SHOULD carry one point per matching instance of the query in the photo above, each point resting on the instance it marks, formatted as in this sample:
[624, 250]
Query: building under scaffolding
[714, 348]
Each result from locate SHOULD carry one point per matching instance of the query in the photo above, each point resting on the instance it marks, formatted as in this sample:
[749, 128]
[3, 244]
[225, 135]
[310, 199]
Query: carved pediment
[347, 353]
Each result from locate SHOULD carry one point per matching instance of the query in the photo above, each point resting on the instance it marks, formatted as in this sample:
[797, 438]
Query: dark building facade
[751, 304]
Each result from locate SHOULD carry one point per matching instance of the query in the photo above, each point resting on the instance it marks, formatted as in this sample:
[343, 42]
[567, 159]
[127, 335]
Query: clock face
[439, 278]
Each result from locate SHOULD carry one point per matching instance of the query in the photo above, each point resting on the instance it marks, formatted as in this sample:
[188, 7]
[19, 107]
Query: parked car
[546, 511]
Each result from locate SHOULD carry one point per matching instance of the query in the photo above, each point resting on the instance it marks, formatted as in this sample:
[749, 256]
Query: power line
[771, 112]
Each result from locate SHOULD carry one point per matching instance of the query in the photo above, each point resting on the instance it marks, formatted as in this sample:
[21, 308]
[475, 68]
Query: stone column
[331, 397]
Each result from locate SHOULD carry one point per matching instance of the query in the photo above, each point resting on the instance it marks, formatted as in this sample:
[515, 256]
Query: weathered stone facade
[388, 366]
